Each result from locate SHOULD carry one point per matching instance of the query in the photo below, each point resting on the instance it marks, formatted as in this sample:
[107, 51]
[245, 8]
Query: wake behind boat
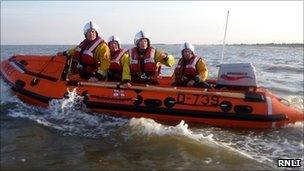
[234, 99]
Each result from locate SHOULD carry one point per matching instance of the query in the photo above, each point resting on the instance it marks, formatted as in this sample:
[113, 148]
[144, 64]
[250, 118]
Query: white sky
[172, 22]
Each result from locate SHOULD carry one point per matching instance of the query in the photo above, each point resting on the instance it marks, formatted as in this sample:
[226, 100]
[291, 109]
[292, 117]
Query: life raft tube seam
[13, 64]
[269, 109]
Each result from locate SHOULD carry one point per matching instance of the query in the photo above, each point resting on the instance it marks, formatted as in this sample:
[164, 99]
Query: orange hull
[38, 79]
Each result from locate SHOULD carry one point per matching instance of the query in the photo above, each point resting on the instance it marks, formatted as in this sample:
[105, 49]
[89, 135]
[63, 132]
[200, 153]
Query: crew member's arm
[125, 63]
[173, 77]
[103, 56]
[202, 70]
[164, 58]
[69, 52]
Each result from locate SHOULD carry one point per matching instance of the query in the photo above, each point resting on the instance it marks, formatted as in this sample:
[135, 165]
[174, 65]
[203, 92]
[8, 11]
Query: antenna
[224, 38]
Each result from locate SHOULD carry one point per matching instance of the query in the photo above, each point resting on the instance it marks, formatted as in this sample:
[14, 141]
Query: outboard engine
[237, 74]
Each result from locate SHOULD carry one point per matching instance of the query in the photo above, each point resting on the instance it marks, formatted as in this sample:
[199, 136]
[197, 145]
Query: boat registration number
[196, 99]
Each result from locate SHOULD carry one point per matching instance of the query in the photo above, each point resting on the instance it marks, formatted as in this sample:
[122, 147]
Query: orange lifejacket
[85, 52]
[143, 65]
[115, 61]
[115, 69]
[186, 68]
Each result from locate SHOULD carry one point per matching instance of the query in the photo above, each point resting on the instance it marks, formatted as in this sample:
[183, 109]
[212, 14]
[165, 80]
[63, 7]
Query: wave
[285, 91]
[262, 146]
[69, 118]
[6, 95]
[285, 68]
[297, 125]
[296, 102]
[266, 146]
[150, 128]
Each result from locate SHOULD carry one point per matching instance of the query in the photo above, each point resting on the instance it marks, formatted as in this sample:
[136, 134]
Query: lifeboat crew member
[191, 70]
[92, 54]
[118, 54]
[144, 58]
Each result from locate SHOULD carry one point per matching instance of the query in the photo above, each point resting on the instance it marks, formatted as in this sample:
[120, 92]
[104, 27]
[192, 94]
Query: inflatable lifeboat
[234, 99]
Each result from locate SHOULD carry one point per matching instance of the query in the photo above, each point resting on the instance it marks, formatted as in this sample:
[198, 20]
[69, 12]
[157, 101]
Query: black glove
[145, 77]
[184, 79]
[202, 85]
[99, 76]
[64, 53]
[126, 81]
[197, 79]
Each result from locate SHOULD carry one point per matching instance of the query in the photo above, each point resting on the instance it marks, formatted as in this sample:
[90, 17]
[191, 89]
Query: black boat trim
[188, 113]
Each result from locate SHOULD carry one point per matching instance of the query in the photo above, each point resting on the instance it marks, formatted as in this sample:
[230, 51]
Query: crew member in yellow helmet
[191, 70]
[143, 60]
[92, 54]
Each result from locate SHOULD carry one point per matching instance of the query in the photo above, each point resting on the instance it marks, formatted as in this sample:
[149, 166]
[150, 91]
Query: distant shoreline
[271, 44]
[234, 44]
